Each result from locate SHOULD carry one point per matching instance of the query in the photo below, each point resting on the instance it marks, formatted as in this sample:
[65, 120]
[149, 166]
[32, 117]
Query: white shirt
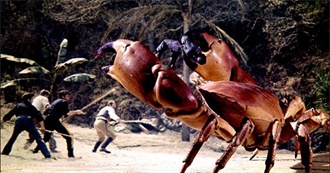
[108, 112]
[40, 102]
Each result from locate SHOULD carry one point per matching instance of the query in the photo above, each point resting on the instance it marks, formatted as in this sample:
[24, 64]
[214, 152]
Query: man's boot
[98, 143]
[36, 150]
[105, 144]
[70, 152]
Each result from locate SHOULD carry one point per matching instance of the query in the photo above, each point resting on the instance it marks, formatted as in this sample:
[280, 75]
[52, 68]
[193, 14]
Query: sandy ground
[141, 153]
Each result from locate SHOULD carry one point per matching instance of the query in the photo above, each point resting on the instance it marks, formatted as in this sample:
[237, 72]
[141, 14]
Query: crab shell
[235, 101]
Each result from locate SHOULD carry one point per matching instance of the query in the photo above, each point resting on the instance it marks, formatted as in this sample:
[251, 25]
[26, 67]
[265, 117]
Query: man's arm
[10, 114]
[39, 118]
[42, 125]
[75, 112]
[46, 105]
[113, 115]
[67, 112]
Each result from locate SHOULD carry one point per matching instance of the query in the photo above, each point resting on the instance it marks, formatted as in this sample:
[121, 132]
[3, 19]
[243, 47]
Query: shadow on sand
[321, 163]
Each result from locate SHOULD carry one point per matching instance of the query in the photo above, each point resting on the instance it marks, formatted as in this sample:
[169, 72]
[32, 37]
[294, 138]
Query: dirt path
[142, 153]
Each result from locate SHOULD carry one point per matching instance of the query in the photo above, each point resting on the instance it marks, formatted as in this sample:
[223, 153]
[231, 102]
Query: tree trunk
[185, 130]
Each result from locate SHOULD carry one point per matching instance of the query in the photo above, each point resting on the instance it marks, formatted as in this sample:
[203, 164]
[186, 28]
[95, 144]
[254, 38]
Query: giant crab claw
[307, 123]
[322, 118]
[193, 53]
[108, 47]
[314, 119]
[113, 46]
[105, 69]
[140, 72]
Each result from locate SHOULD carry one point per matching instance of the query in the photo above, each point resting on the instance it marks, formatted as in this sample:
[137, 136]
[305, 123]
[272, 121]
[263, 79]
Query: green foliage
[79, 77]
[35, 70]
[61, 68]
[320, 140]
[9, 84]
[24, 82]
[18, 60]
[319, 95]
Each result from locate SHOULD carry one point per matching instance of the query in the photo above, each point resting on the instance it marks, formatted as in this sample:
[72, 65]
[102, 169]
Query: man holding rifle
[54, 113]
[105, 115]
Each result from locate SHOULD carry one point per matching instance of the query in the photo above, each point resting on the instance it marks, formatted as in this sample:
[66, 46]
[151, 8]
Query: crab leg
[238, 139]
[305, 147]
[284, 137]
[208, 129]
[295, 108]
[204, 134]
[276, 131]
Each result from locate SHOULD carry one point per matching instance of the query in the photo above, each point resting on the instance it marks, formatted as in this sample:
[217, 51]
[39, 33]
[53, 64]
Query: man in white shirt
[104, 116]
[41, 102]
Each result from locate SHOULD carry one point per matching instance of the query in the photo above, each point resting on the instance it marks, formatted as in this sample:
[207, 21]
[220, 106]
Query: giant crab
[239, 113]
[213, 59]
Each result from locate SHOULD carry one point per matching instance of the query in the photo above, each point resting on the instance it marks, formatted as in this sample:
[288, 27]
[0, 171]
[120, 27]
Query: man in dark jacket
[25, 112]
[57, 109]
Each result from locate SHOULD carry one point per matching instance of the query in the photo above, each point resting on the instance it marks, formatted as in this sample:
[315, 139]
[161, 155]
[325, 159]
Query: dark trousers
[53, 123]
[24, 123]
[52, 142]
